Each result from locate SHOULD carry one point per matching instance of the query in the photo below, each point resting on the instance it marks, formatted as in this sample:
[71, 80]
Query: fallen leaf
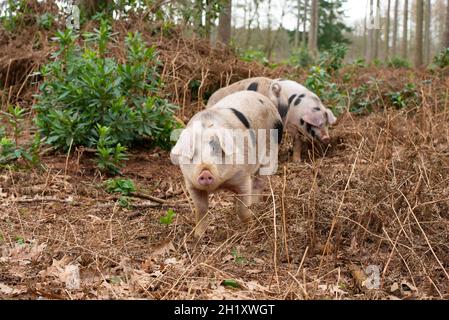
[231, 283]
[162, 248]
[255, 286]
[71, 277]
[394, 287]
[10, 291]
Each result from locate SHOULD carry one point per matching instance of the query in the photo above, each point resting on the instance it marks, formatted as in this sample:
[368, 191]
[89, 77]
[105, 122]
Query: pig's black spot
[241, 117]
[299, 99]
[291, 98]
[301, 121]
[252, 134]
[316, 109]
[253, 86]
[280, 128]
[283, 110]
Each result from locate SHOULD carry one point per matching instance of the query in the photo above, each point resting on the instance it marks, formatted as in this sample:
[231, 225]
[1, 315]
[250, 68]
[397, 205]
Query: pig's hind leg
[258, 186]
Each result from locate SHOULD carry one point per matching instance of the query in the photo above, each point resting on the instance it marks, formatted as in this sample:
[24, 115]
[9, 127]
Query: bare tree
[427, 34]
[446, 37]
[405, 31]
[395, 26]
[298, 22]
[224, 23]
[370, 38]
[313, 32]
[419, 33]
[387, 31]
[304, 22]
[376, 35]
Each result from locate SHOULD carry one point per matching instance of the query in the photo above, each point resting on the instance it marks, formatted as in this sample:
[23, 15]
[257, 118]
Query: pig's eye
[216, 147]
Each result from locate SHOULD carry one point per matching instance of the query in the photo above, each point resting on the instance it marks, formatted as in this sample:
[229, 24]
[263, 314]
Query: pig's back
[257, 84]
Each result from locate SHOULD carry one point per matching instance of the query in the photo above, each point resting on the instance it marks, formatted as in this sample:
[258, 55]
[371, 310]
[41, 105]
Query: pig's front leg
[297, 147]
[201, 203]
[244, 195]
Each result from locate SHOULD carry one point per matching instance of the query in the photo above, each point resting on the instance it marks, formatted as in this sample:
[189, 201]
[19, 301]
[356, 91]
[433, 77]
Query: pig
[207, 151]
[302, 112]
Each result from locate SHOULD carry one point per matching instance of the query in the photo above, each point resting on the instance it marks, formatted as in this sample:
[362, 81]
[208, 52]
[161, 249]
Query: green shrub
[86, 90]
[405, 97]
[45, 21]
[332, 60]
[122, 186]
[12, 15]
[320, 82]
[301, 58]
[397, 62]
[11, 147]
[442, 58]
[251, 55]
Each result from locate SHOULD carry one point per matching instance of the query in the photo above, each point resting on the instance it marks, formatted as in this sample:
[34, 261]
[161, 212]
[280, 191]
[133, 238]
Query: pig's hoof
[199, 232]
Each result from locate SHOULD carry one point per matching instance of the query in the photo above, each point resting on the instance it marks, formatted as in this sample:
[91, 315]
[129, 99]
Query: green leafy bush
[12, 15]
[122, 186]
[405, 97]
[45, 21]
[442, 58]
[11, 146]
[332, 60]
[301, 58]
[251, 55]
[398, 62]
[85, 90]
[168, 218]
[320, 82]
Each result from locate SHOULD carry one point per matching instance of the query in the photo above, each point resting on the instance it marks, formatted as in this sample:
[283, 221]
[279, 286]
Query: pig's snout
[326, 139]
[206, 178]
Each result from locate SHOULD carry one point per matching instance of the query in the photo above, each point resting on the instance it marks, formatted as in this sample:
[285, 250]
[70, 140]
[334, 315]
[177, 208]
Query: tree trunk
[405, 31]
[304, 23]
[387, 31]
[298, 23]
[370, 40]
[376, 35]
[208, 22]
[427, 35]
[395, 27]
[419, 33]
[446, 37]
[224, 24]
[199, 15]
[313, 32]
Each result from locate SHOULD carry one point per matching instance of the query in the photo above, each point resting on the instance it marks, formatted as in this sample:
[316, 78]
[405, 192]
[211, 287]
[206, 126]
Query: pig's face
[205, 156]
[306, 112]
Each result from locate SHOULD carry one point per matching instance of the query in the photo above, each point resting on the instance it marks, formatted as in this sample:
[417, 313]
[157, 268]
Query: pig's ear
[314, 118]
[184, 147]
[276, 88]
[226, 141]
[330, 116]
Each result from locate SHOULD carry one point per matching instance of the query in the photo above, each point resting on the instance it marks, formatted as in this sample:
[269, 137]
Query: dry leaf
[162, 248]
[10, 291]
[71, 277]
